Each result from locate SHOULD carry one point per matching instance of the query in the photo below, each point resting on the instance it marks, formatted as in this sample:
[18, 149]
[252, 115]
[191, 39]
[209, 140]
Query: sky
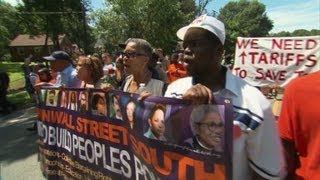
[287, 15]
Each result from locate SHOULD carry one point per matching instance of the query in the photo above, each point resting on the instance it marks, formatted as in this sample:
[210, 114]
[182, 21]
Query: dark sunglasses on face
[131, 54]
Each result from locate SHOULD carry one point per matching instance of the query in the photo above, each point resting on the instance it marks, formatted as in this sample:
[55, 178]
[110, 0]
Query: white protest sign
[269, 60]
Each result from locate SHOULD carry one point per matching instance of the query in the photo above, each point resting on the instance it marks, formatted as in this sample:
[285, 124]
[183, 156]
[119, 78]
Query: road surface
[18, 148]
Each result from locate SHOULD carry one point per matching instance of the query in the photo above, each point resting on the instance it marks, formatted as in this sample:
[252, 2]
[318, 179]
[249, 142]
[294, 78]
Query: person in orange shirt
[299, 127]
[176, 69]
[43, 78]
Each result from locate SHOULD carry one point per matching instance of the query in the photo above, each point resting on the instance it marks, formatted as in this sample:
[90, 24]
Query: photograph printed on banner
[64, 99]
[83, 102]
[42, 96]
[52, 97]
[115, 107]
[207, 126]
[72, 100]
[98, 104]
[130, 113]
[156, 122]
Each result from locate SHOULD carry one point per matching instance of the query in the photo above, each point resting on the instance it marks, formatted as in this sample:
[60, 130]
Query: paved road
[18, 149]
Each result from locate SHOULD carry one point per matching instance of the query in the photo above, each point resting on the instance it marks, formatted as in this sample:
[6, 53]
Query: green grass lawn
[15, 73]
[21, 97]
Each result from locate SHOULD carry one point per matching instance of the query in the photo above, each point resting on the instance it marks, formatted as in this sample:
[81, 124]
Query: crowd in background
[151, 67]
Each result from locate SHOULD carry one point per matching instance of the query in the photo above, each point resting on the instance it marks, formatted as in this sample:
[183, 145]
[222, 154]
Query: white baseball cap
[206, 22]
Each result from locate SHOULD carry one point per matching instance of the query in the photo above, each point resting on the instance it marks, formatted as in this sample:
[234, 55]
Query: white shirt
[33, 77]
[258, 147]
[109, 69]
[154, 86]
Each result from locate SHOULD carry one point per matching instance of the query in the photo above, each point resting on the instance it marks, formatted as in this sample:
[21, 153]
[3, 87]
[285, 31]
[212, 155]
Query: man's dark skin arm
[291, 158]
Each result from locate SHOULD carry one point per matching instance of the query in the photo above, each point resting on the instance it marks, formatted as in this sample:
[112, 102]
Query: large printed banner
[92, 134]
[266, 61]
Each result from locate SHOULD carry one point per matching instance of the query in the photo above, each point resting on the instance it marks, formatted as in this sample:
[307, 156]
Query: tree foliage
[188, 7]
[298, 32]
[154, 20]
[9, 27]
[56, 17]
[201, 8]
[281, 34]
[244, 18]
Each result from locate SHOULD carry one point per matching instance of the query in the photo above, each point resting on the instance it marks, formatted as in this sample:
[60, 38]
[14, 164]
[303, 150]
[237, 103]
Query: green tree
[155, 20]
[188, 7]
[315, 32]
[301, 32]
[244, 18]
[298, 32]
[281, 34]
[53, 18]
[9, 27]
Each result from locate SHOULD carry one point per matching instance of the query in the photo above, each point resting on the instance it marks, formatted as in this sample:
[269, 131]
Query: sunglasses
[131, 54]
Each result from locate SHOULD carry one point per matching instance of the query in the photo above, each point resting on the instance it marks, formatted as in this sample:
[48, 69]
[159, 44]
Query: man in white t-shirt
[256, 144]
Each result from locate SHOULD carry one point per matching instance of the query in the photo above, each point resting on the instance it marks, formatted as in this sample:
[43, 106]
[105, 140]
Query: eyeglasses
[211, 126]
[132, 54]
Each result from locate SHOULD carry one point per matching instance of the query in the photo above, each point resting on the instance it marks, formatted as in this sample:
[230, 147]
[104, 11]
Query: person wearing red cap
[257, 149]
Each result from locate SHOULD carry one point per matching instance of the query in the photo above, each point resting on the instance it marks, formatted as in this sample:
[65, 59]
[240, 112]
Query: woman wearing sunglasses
[138, 65]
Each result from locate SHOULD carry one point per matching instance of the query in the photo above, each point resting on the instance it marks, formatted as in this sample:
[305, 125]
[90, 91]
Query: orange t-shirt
[299, 122]
[176, 71]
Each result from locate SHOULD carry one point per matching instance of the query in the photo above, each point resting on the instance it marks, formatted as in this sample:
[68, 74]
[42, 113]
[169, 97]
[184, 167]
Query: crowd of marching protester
[262, 147]
[151, 68]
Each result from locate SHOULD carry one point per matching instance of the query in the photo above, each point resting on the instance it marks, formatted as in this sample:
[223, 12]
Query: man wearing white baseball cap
[206, 22]
[256, 144]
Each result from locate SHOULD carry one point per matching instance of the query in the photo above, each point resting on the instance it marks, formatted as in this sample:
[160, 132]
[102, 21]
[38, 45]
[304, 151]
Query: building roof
[29, 40]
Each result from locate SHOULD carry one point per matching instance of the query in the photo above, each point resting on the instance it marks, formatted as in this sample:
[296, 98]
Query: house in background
[24, 45]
